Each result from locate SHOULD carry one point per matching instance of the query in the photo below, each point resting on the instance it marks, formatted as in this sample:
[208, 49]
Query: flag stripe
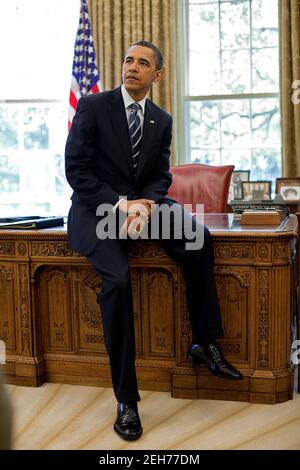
[73, 100]
[95, 88]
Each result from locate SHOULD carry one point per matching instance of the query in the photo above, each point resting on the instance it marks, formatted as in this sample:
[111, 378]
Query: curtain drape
[289, 26]
[116, 24]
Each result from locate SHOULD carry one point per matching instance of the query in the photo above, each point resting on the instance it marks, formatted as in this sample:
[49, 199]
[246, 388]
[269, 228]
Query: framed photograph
[256, 190]
[235, 188]
[289, 188]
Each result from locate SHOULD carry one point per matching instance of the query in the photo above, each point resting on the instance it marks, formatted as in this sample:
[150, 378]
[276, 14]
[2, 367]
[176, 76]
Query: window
[232, 86]
[36, 46]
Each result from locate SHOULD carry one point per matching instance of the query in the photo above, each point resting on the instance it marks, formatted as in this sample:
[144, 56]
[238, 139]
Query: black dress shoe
[128, 424]
[212, 356]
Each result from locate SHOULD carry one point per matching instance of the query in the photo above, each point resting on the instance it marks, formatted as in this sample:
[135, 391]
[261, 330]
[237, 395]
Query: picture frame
[256, 190]
[235, 188]
[288, 188]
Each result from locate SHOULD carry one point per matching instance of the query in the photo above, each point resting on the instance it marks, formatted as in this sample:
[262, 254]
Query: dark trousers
[111, 260]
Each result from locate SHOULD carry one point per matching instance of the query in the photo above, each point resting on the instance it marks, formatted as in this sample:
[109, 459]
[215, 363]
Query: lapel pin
[151, 122]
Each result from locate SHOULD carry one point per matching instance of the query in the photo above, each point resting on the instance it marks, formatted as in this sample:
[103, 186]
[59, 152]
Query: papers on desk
[35, 222]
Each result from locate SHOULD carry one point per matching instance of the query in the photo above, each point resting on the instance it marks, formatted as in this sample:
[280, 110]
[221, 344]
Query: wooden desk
[53, 332]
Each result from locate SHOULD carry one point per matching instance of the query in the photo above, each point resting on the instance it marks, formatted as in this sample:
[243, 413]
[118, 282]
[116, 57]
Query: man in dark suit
[117, 153]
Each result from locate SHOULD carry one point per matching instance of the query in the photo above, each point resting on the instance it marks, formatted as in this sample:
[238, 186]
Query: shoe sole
[196, 360]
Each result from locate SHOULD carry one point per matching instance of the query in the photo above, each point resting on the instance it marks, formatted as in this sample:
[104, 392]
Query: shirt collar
[128, 100]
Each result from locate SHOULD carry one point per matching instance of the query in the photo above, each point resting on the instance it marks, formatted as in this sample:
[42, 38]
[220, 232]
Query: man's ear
[159, 75]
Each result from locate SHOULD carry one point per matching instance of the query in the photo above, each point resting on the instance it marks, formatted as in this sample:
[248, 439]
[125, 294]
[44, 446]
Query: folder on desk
[34, 222]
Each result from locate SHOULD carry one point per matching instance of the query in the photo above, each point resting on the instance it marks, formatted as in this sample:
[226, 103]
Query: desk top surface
[226, 223]
[218, 224]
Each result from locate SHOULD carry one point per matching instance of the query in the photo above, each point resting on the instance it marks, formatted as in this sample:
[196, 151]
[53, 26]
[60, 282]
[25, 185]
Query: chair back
[201, 184]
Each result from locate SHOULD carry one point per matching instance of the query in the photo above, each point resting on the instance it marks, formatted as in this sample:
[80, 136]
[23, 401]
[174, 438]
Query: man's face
[139, 70]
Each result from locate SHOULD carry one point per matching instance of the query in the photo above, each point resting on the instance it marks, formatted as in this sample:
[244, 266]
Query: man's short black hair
[159, 59]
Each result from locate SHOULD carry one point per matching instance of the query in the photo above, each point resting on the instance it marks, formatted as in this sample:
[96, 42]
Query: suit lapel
[150, 125]
[120, 125]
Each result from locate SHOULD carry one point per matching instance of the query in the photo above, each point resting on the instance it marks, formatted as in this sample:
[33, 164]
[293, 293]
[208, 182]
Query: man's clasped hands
[138, 215]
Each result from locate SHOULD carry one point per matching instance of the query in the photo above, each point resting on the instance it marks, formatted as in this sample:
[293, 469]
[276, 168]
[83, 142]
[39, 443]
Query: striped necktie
[135, 132]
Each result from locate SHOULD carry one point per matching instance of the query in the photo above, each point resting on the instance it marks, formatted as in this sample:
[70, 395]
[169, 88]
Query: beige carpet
[57, 416]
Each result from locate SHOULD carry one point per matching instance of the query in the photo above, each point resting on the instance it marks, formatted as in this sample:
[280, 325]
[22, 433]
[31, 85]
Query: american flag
[85, 75]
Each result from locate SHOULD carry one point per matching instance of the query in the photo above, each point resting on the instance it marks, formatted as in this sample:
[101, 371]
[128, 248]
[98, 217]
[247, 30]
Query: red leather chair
[202, 184]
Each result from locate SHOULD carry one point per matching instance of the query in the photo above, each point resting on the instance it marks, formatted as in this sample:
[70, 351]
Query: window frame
[18, 198]
[182, 123]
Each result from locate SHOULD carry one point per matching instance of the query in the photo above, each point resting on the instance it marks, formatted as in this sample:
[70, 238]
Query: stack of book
[262, 217]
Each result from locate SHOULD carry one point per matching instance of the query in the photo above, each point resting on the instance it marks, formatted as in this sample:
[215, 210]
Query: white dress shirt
[128, 100]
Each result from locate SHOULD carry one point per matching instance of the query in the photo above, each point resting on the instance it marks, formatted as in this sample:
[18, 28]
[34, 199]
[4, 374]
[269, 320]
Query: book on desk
[30, 222]
[263, 217]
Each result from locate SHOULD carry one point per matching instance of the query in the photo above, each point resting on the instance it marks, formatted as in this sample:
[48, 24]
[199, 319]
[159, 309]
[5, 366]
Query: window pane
[204, 41]
[204, 77]
[36, 174]
[208, 157]
[236, 71]
[265, 164]
[265, 71]
[204, 27]
[241, 158]
[32, 177]
[235, 123]
[235, 25]
[264, 23]
[59, 174]
[8, 128]
[265, 123]
[9, 181]
[36, 132]
[204, 119]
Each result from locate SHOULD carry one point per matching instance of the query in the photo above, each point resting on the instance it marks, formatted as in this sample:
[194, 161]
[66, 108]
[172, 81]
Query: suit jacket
[99, 163]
